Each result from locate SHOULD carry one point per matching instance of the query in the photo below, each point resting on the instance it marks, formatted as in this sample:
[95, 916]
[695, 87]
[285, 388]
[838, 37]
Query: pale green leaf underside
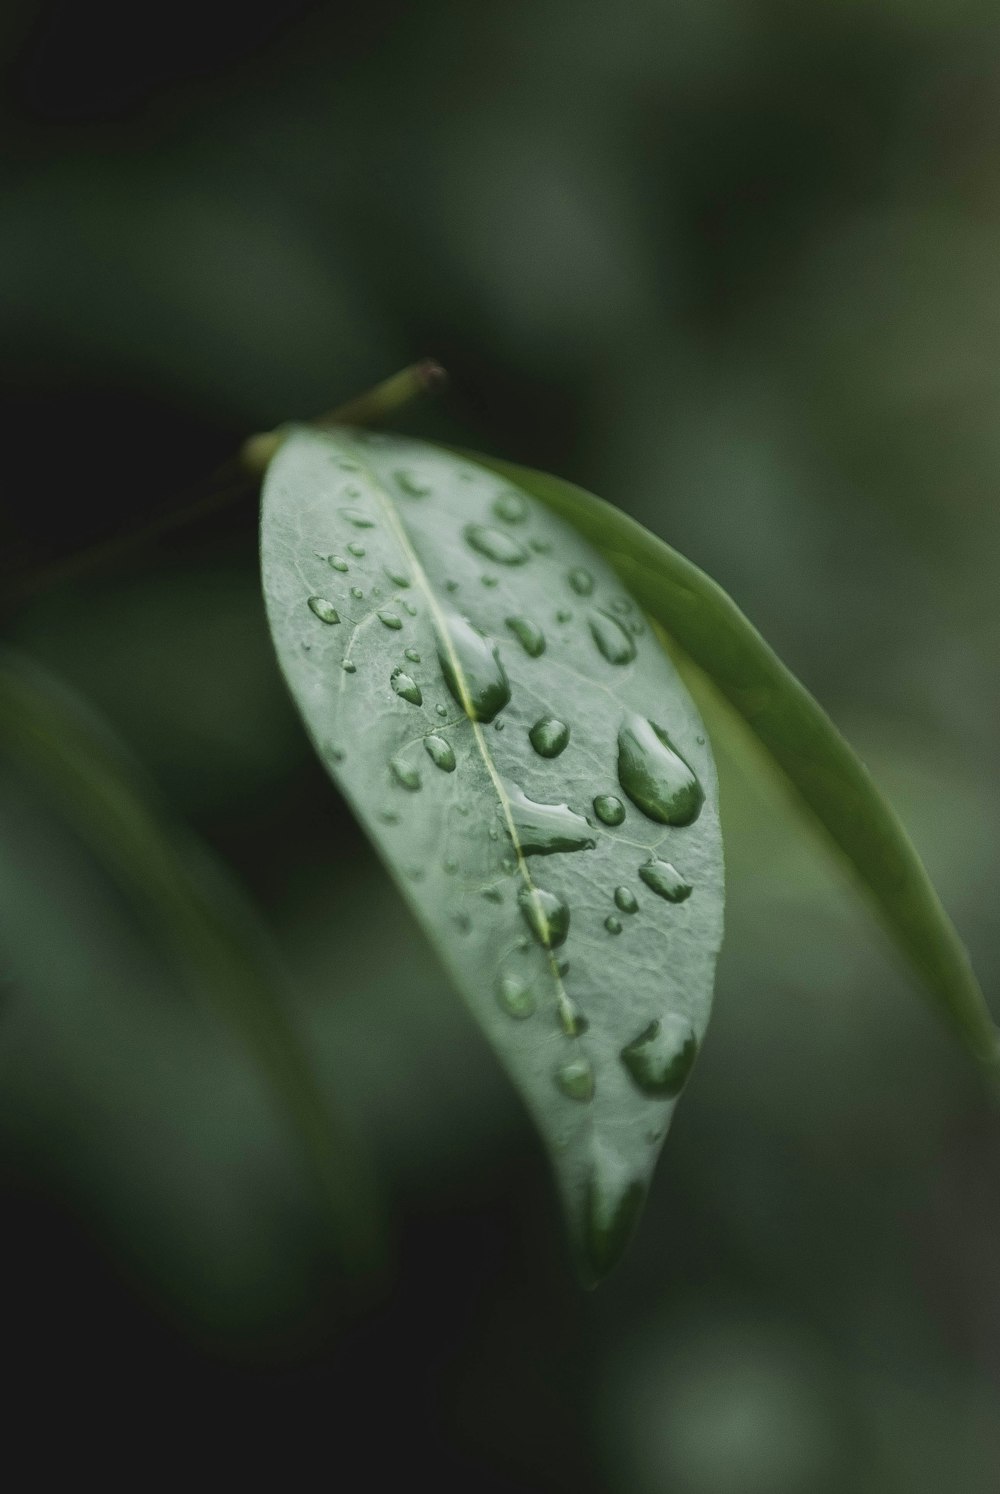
[796, 732]
[391, 567]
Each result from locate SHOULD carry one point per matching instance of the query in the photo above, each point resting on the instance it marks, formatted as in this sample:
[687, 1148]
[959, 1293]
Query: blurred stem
[233, 480]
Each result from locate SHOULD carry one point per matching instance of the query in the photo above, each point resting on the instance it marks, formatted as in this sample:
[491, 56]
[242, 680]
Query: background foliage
[732, 264]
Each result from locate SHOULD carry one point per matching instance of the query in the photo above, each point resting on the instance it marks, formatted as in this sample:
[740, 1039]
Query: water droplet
[336, 562]
[388, 817]
[450, 865]
[636, 626]
[349, 667]
[442, 710]
[412, 655]
[511, 507]
[488, 580]
[495, 544]
[574, 1023]
[406, 687]
[397, 577]
[390, 620]
[508, 864]
[357, 593]
[530, 637]
[359, 520]
[549, 737]
[621, 604]
[611, 638]
[543, 829]
[451, 586]
[408, 607]
[546, 915]
[581, 581]
[564, 615]
[576, 1080]
[613, 924]
[615, 1198]
[498, 726]
[516, 998]
[541, 546]
[348, 466]
[461, 920]
[356, 549]
[654, 775]
[404, 774]
[324, 610]
[665, 880]
[353, 491]
[472, 670]
[336, 754]
[493, 894]
[411, 484]
[626, 900]
[440, 753]
[609, 809]
[660, 1058]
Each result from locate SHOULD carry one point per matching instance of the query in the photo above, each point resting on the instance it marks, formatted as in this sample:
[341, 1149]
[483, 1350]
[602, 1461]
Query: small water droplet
[415, 873]
[349, 666]
[397, 577]
[498, 725]
[348, 466]
[543, 829]
[613, 924]
[626, 900]
[451, 586]
[581, 581]
[472, 670]
[358, 519]
[411, 484]
[611, 638]
[574, 1023]
[336, 563]
[511, 507]
[609, 809]
[450, 865]
[324, 610]
[409, 608]
[549, 737]
[406, 687]
[541, 546]
[412, 655]
[530, 637]
[336, 754]
[508, 864]
[356, 549]
[515, 997]
[636, 626]
[352, 490]
[621, 605]
[405, 775]
[493, 833]
[564, 615]
[654, 775]
[495, 544]
[493, 893]
[546, 915]
[389, 817]
[576, 1080]
[659, 1060]
[442, 710]
[488, 580]
[440, 753]
[390, 620]
[357, 593]
[665, 880]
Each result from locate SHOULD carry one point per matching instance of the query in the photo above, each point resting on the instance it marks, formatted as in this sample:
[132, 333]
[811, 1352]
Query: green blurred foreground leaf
[827, 775]
[186, 900]
[526, 760]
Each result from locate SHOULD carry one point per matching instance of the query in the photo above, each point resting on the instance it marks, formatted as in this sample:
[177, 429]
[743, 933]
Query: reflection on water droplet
[336, 562]
[548, 736]
[472, 670]
[412, 655]
[581, 581]
[665, 880]
[654, 775]
[530, 637]
[614, 1202]
[390, 620]
[440, 753]
[546, 915]
[404, 774]
[660, 1058]
[324, 610]
[349, 667]
[359, 520]
[516, 998]
[511, 507]
[613, 924]
[357, 593]
[543, 829]
[406, 687]
[495, 544]
[626, 900]
[397, 577]
[576, 1080]
[356, 549]
[611, 638]
[608, 809]
[411, 484]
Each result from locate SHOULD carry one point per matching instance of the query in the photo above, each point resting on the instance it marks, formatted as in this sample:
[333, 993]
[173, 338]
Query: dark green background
[734, 264]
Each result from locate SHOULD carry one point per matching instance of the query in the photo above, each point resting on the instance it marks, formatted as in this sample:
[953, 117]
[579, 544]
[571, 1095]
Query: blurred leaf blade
[822, 768]
[474, 678]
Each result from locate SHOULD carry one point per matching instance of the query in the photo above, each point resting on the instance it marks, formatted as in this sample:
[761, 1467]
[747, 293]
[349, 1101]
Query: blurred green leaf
[474, 678]
[826, 773]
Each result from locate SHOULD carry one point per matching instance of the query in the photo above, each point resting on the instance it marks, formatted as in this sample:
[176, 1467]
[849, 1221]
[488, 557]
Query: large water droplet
[404, 774]
[665, 880]
[412, 655]
[472, 670]
[406, 687]
[358, 519]
[515, 997]
[511, 507]
[396, 576]
[495, 544]
[609, 809]
[324, 610]
[390, 620]
[654, 775]
[440, 753]
[659, 1060]
[581, 581]
[546, 915]
[336, 563]
[615, 1198]
[356, 549]
[611, 638]
[530, 637]
[548, 736]
[545, 828]
[576, 1079]
[626, 900]
[411, 484]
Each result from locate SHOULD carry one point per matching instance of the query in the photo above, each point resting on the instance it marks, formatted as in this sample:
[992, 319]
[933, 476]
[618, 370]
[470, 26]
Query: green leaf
[523, 755]
[825, 772]
[186, 900]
